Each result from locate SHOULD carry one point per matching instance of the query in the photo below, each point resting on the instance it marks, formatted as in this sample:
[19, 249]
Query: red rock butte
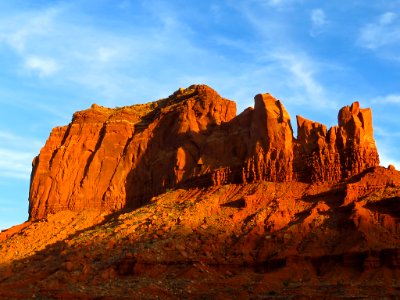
[110, 159]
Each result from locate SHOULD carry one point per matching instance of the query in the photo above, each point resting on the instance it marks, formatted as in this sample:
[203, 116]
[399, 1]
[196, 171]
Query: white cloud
[284, 66]
[68, 49]
[318, 17]
[319, 22]
[10, 139]
[278, 3]
[18, 31]
[109, 64]
[275, 2]
[105, 54]
[384, 133]
[43, 66]
[21, 33]
[388, 99]
[385, 31]
[302, 78]
[15, 163]
[387, 18]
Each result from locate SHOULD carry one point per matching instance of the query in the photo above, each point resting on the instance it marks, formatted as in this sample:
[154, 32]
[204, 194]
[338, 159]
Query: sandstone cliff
[109, 159]
[341, 152]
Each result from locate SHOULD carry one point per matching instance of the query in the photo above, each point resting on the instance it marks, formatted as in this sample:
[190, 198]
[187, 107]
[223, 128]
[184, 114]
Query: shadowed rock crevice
[96, 148]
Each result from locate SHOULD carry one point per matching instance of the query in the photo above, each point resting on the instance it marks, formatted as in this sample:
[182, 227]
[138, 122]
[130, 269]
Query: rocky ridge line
[109, 159]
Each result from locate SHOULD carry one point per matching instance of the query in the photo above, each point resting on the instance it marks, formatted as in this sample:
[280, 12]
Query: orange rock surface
[340, 152]
[254, 240]
[109, 159]
[182, 199]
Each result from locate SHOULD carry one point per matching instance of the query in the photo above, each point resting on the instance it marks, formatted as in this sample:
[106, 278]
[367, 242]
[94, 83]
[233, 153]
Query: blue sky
[57, 57]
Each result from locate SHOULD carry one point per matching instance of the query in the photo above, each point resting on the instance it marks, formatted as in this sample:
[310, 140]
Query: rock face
[341, 152]
[109, 159]
[271, 146]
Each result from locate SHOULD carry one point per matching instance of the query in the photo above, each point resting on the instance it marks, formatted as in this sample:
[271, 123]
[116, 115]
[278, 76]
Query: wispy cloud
[16, 154]
[97, 60]
[275, 2]
[41, 65]
[384, 31]
[57, 45]
[302, 78]
[388, 99]
[278, 3]
[15, 164]
[296, 75]
[12, 140]
[62, 47]
[319, 21]
[382, 132]
[19, 30]
[318, 17]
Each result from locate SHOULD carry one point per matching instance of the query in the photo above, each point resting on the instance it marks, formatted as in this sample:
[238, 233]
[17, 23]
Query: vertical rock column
[272, 142]
[355, 141]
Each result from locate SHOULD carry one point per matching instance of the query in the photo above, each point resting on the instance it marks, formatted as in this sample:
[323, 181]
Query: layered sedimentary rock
[340, 152]
[271, 147]
[112, 158]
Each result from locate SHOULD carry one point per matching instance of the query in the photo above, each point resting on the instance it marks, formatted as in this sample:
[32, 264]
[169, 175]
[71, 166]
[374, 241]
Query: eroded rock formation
[112, 158]
[340, 152]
